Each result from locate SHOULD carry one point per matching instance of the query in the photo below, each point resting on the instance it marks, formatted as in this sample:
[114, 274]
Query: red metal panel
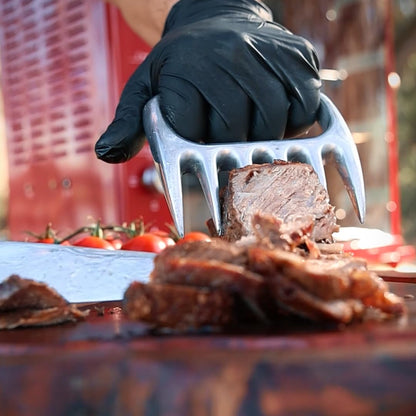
[59, 97]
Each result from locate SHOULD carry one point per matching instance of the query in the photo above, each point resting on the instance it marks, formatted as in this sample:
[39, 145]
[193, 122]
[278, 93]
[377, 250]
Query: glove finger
[302, 114]
[124, 137]
[199, 108]
[304, 93]
[256, 105]
[276, 114]
[271, 105]
[183, 107]
[297, 72]
[229, 116]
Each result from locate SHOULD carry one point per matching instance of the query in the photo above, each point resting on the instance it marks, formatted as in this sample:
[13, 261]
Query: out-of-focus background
[405, 54]
[64, 63]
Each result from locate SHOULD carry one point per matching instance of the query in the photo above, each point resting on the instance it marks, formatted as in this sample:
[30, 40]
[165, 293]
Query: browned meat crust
[178, 306]
[291, 297]
[40, 317]
[215, 265]
[327, 288]
[18, 293]
[25, 302]
[338, 277]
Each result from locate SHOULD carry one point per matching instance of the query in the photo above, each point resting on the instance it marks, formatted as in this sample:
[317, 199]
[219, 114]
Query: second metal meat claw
[174, 156]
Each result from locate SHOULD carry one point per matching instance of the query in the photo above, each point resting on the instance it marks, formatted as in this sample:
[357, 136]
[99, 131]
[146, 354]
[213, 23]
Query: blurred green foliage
[405, 47]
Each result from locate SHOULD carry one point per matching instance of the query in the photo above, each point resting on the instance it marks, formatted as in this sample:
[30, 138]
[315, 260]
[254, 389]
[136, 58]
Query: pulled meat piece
[25, 302]
[337, 288]
[295, 236]
[294, 299]
[215, 265]
[337, 277]
[288, 191]
[39, 317]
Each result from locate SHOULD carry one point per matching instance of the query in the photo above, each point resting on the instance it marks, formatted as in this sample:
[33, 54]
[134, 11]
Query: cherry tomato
[114, 241]
[51, 240]
[46, 240]
[194, 236]
[148, 242]
[47, 237]
[165, 236]
[93, 242]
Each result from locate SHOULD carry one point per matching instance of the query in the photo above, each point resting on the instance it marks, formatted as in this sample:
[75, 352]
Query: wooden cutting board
[108, 365]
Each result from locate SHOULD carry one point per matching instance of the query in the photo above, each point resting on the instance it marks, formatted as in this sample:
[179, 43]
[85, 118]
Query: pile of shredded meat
[275, 258]
[261, 278]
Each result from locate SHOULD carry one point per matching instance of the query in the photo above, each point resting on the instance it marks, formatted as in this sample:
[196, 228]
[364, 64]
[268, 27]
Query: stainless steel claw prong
[174, 155]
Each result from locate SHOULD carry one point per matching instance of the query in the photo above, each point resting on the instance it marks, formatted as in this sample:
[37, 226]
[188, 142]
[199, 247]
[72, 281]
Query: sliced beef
[293, 298]
[215, 264]
[385, 301]
[216, 249]
[26, 317]
[18, 293]
[336, 287]
[25, 302]
[285, 190]
[178, 306]
[335, 277]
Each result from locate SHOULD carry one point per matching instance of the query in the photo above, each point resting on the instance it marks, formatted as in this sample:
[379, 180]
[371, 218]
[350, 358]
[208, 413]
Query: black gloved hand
[224, 72]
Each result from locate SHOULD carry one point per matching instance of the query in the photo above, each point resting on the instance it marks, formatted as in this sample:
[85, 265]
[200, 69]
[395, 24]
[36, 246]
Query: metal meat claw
[174, 156]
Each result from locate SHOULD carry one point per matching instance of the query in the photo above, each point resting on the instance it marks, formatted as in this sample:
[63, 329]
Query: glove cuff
[190, 11]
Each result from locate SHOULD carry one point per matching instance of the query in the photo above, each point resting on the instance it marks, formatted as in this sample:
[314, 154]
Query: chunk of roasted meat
[287, 191]
[25, 302]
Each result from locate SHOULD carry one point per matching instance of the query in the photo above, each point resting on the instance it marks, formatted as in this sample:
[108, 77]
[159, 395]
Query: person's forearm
[145, 17]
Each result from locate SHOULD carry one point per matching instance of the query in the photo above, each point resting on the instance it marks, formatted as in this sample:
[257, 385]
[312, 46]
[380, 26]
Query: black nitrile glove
[224, 72]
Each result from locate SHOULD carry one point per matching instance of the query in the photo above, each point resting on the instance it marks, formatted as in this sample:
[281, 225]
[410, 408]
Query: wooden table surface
[108, 365]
